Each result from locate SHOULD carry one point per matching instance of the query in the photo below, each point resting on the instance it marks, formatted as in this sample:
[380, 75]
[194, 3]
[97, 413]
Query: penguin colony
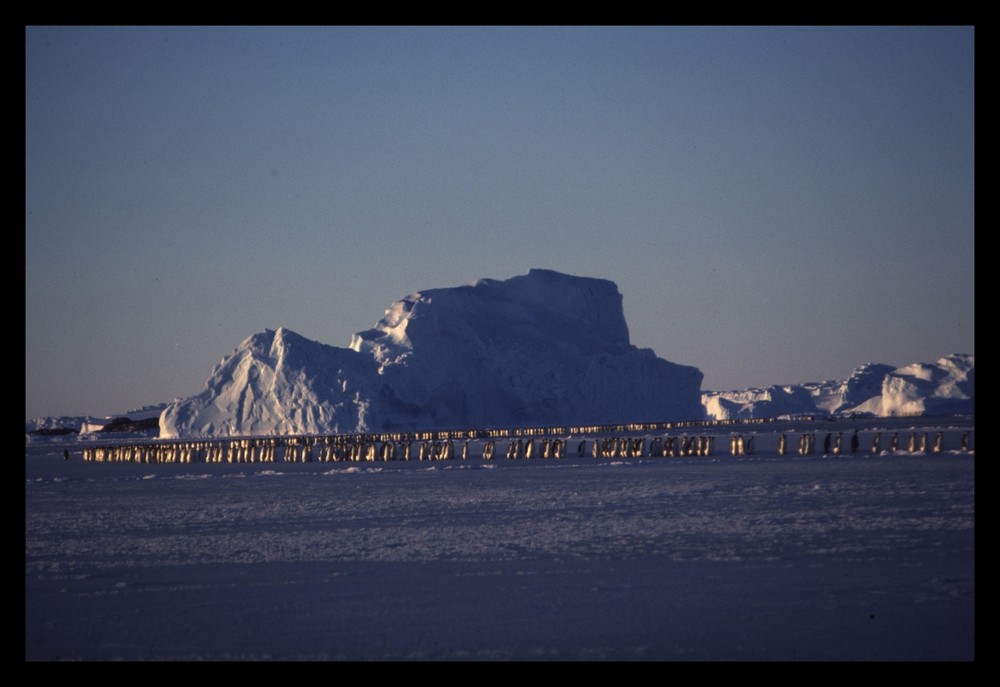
[519, 444]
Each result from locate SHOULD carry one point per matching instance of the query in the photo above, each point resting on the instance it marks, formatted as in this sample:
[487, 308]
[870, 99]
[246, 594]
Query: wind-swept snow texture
[946, 387]
[540, 349]
[850, 557]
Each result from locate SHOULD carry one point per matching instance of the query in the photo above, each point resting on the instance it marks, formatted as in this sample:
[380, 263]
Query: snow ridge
[946, 387]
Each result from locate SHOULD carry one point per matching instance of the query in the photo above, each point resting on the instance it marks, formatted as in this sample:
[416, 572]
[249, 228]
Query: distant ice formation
[946, 387]
[539, 349]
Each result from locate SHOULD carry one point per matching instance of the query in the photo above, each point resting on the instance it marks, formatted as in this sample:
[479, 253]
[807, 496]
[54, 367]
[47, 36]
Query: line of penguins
[833, 444]
[271, 450]
[332, 449]
[430, 445]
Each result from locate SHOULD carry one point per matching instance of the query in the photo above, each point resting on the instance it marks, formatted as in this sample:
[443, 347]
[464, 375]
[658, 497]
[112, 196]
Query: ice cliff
[539, 349]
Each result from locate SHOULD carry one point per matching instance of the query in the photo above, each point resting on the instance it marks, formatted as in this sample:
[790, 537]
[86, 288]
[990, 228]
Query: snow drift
[539, 349]
[946, 387]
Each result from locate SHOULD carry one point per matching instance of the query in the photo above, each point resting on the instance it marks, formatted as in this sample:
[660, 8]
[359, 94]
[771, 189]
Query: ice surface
[764, 557]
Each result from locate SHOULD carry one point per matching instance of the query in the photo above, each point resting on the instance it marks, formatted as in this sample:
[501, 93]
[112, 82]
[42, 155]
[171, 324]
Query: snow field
[748, 558]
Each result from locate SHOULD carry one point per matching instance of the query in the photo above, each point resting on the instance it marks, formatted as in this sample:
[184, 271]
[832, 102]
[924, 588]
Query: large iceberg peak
[544, 348]
[542, 303]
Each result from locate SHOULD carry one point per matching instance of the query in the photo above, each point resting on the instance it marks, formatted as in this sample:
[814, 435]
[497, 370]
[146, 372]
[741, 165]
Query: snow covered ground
[764, 557]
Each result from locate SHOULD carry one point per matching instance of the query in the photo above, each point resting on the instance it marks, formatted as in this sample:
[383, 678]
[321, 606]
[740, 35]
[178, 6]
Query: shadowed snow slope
[946, 387]
[538, 349]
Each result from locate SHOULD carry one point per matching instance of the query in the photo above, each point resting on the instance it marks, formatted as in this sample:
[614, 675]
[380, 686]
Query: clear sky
[777, 205]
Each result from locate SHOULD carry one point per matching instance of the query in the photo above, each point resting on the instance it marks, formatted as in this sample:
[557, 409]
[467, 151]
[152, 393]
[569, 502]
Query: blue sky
[776, 204]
